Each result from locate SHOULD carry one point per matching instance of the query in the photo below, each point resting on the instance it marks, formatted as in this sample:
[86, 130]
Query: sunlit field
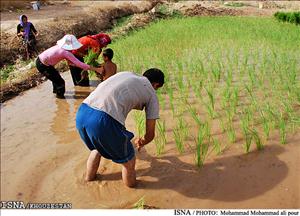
[229, 81]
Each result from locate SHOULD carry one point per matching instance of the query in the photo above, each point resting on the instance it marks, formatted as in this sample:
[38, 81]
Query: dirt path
[43, 160]
[59, 10]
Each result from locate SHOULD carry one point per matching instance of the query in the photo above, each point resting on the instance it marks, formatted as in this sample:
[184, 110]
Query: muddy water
[43, 160]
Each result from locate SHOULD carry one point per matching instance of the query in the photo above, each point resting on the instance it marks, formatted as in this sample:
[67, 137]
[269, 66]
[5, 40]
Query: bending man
[100, 119]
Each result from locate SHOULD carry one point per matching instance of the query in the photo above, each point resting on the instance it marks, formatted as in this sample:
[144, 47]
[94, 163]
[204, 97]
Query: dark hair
[155, 75]
[108, 53]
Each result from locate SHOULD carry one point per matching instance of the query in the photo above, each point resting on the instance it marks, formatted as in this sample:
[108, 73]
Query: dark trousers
[76, 74]
[52, 74]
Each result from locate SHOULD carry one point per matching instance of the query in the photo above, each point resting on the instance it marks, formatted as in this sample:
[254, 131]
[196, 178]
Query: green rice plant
[161, 140]
[216, 146]
[140, 203]
[201, 145]
[171, 99]
[231, 133]
[229, 114]
[248, 141]
[140, 123]
[211, 97]
[216, 72]
[226, 97]
[91, 59]
[194, 115]
[266, 125]
[245, 123]
[229, 78]
[272, 116]
[183, 127]
[178, 140]
[161, 99]
[235, 99]
[258, 142]
[210, 110]
[222, 124]
[282, 129]
[197, 87]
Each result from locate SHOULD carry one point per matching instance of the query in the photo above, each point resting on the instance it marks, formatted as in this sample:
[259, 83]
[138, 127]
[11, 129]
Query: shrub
[292, 17]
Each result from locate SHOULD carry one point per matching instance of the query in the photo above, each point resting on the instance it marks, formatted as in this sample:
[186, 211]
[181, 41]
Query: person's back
[110, 69]
[53, 55]
[123, 92]
[100, 120]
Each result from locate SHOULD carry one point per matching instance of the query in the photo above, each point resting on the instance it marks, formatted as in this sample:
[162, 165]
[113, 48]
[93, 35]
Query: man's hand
[139, 143]
[149, 135]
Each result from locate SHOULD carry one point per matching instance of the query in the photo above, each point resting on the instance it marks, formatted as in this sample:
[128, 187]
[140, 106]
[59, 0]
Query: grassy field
[228, 80]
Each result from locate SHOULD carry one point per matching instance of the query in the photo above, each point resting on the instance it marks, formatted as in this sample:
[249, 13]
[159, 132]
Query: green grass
[237, 73]
[5, 71]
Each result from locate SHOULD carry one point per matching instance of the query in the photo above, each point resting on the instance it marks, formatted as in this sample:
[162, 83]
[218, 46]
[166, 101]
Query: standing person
[27, 31]
[108, 68]
[100, 119]
[61, 51]
[89, 42]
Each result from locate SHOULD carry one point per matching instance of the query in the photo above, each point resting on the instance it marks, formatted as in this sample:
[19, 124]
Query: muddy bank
[92, 19]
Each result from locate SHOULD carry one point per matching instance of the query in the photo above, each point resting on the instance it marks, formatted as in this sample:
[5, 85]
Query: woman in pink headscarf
[93, 42]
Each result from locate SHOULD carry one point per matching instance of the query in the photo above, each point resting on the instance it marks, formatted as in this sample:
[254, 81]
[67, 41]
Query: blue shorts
[100, 131]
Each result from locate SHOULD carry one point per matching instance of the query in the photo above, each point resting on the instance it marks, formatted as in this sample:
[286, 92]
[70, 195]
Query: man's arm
[149, 135]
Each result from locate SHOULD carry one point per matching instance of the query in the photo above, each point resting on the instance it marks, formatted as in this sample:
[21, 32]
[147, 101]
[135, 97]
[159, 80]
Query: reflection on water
[63, 125]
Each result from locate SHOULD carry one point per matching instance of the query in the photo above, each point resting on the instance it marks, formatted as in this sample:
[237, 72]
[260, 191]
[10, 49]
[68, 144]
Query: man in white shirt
[100, 119]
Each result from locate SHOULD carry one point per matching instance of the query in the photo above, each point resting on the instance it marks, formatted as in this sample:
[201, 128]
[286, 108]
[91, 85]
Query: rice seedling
[91, 59]
[258, 142]
[222, 125]
[161, 100]
[194, 115]
[282, 129]
[210, 106]
[140, 203]
[216, 146]
[201, 146]
[140, 123]
[235, 99]
[183, 127]
[178, 140]
[171, 99]
[231, 132]
[252, 64]
[266, 125]
[160, 140]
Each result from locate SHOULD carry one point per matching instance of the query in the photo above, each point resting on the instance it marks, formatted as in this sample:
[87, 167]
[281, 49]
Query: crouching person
[100, 120]
[61, 51]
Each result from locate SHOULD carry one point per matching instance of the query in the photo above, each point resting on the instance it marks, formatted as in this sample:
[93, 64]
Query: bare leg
[92, 165]
[128, 173]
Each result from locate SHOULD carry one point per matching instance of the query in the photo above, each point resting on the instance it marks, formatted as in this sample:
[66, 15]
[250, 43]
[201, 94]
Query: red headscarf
[102, 38]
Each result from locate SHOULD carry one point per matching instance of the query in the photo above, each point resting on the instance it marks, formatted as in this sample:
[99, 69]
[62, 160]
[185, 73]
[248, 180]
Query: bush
[292, 17]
